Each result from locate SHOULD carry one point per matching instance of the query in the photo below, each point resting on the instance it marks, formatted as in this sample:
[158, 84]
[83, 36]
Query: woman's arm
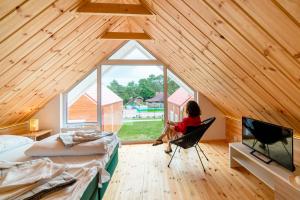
[172, 123]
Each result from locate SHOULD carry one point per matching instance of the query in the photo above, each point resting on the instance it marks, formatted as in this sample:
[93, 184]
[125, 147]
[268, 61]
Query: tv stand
[272, 174]
[261, 157]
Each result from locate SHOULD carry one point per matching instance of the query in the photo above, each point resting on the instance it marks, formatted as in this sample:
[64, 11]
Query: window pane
[132, 50]
[82, 101]
[136, 109]
[178, 96]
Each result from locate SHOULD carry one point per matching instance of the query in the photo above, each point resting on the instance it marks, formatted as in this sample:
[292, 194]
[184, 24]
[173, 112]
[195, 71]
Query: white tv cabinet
[273, 175]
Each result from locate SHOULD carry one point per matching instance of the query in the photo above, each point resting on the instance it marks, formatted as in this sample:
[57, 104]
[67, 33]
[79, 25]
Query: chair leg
[200, 159]
[172, 156]
[202, 152]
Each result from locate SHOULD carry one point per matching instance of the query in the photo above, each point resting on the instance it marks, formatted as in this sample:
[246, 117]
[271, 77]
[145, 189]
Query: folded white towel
[70, 140]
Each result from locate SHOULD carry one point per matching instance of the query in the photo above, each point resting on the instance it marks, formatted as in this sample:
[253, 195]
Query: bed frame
[93, 192]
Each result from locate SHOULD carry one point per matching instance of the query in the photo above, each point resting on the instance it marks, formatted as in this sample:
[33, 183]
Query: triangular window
[132, 50]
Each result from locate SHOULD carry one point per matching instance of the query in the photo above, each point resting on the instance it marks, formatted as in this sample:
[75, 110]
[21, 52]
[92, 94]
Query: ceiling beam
[125, 36]
[131, 62]
[114, 9]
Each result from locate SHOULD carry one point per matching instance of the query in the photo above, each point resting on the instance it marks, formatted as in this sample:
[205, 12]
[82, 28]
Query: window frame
[119, 62]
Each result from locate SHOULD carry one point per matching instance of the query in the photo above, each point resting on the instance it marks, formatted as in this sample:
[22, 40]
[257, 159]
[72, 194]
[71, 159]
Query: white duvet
[24, 177]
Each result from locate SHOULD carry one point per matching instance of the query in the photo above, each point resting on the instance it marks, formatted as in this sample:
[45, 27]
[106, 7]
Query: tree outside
[141, 121]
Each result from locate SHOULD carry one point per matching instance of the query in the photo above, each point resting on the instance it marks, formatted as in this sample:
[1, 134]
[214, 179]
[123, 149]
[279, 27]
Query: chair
[192, 138]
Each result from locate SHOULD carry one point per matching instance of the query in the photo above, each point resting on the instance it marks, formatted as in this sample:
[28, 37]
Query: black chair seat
[192, 138]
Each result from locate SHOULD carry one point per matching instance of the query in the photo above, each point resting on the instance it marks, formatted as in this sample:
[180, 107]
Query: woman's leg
[171, 135]
[164, 133]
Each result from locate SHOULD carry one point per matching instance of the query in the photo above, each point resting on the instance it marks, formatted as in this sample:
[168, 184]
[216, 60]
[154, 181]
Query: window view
[132, 50]
[82, 101]
[178, 96]
[140, 89]
[132, 97]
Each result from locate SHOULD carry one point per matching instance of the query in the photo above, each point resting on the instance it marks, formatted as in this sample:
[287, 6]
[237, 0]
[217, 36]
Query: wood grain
[146, 175]
[242, 55]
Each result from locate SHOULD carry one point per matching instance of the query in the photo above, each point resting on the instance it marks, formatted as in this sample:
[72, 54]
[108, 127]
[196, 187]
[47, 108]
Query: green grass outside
[140, 130]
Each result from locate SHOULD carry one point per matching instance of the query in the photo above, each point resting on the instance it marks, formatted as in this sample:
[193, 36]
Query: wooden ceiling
[244, 55]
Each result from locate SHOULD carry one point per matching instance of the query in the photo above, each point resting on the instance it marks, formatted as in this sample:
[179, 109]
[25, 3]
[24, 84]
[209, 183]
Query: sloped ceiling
[244, 55]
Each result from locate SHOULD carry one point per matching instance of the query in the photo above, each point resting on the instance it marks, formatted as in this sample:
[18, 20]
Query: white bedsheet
[17, 155]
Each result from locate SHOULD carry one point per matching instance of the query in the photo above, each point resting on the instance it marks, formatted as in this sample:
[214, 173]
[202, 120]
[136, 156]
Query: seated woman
[175, 129]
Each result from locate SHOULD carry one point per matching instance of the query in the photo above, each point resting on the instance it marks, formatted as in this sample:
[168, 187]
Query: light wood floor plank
[142, 173]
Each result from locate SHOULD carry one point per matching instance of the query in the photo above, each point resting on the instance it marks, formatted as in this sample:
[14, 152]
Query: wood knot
[266, 52]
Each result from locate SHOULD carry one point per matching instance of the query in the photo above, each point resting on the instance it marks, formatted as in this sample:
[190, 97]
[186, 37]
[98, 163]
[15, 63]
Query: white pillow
[52, 146]
[9, 142]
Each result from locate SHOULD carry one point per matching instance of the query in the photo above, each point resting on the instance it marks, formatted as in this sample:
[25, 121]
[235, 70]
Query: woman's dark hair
[193, 109]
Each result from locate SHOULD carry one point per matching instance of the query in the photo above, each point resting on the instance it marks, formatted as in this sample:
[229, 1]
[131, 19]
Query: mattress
[18, 155]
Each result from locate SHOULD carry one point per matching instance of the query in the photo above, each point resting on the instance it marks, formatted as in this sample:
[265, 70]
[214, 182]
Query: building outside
[176, 104]
[84, 109]
[157, 101]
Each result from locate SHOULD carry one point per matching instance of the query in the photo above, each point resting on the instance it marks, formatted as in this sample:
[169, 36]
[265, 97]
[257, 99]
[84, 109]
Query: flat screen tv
[273, 141]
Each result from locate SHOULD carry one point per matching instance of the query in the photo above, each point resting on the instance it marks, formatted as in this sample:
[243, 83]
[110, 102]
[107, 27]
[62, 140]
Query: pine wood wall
[243, 55]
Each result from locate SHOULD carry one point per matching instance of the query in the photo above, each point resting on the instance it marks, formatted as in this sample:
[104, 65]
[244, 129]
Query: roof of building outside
[159, 97]
[110, 96]
[179, 97]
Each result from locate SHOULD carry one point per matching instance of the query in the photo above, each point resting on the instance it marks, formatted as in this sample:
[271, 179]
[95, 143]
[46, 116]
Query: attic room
[150, 99]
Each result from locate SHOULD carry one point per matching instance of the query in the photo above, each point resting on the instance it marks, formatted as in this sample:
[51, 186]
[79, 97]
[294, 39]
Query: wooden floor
[142, 173]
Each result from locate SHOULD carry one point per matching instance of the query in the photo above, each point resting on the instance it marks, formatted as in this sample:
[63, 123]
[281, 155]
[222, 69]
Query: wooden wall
[233, 129]
[243, 55]
[15, 129]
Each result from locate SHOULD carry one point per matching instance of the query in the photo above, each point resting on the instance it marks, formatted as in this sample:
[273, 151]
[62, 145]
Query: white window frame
[119, 62]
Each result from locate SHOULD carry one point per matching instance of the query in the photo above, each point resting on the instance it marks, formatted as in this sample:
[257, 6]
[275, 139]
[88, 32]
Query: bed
[93, 191]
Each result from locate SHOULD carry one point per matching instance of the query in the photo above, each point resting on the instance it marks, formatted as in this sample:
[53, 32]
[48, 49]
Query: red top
[187, 121]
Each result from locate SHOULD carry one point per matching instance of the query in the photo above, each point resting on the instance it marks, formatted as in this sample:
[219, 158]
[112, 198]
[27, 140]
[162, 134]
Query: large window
[131, 93]
[81, 101]
[178, 96]
[139, 93]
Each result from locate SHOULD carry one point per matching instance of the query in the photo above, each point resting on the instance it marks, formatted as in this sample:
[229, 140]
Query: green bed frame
[93, 192]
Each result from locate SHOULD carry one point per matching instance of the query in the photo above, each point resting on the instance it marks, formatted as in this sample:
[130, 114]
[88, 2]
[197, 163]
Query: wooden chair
[192, 138]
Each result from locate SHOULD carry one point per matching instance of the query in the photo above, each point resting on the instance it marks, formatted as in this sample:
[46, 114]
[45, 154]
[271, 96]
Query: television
[272, 141]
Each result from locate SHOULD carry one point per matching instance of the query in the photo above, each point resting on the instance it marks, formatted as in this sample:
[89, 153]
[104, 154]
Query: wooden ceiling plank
[19, 55]
[284, 30]
[10, 76]
[56, 74]
[21, 16]
[229, 63]
[56, 87]
[37, 58]
[49, 69]
[278, 56]
[247, 51]
[292, 8]
[259, 38]
[64, 55]
[40, 22]
[124, 36]
[8, 6]
[209, 67]
[66, 46]
[114, 9]
[256, 103]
